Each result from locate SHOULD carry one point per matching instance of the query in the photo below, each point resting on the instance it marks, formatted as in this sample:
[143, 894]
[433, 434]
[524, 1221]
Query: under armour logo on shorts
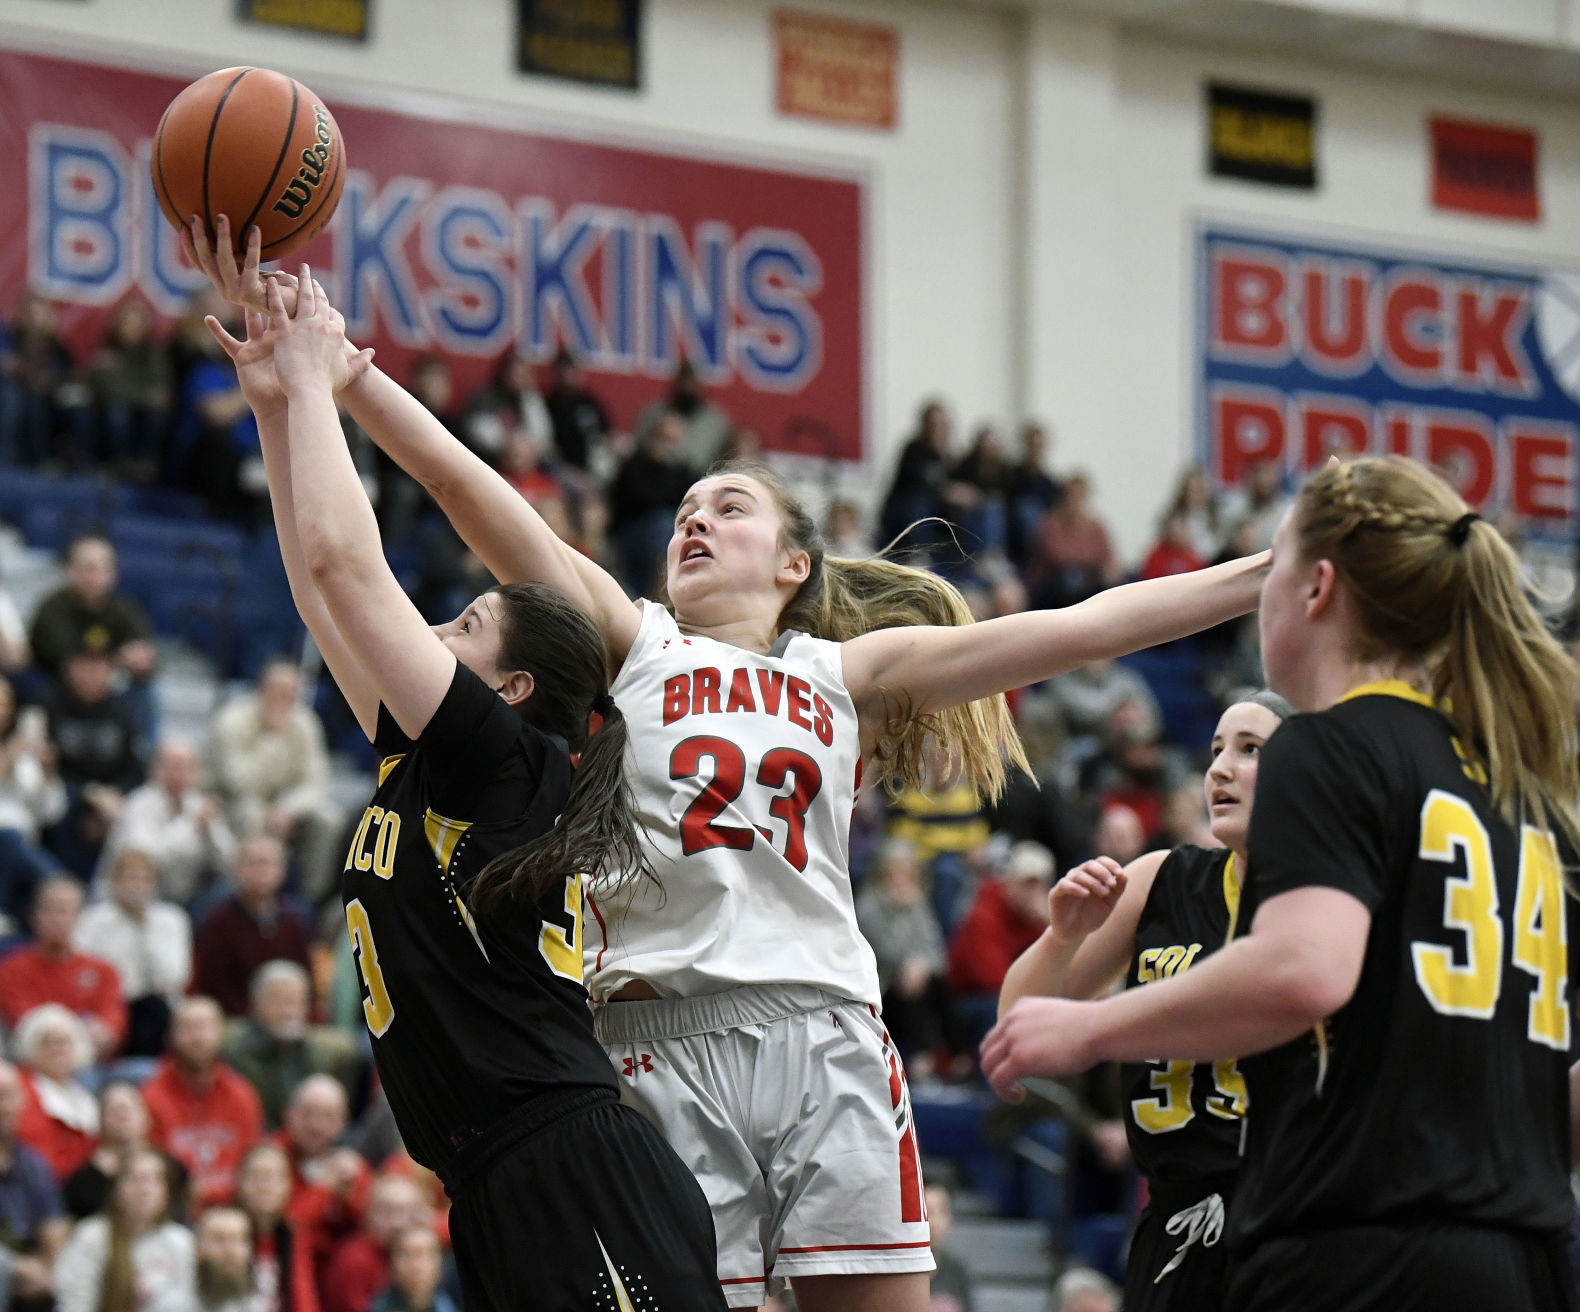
[635, 1065]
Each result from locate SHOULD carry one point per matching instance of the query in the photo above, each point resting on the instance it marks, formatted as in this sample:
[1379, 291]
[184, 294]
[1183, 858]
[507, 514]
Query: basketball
[256, 146]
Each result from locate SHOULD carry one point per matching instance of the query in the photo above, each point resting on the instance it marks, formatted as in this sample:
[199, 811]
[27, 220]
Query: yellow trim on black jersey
[388, 764]
[1390, 688]
[1231, 895]
[443, 835]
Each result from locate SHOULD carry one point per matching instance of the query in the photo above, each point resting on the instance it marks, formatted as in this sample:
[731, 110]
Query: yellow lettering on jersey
[1172, 1111]
[561, 947]
[1541, 937]
[1451, 830]
[1231, 1098]
[356, 839]
[388, 764]
[376, 1007]
[1154, 964]
[384, 849]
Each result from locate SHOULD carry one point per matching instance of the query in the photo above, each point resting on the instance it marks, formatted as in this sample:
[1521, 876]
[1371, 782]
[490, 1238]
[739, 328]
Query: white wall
[940, 248]
[1031, 216]
[1121, 134]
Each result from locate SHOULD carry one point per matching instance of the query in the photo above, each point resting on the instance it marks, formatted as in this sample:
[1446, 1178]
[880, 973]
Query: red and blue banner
[1309, 347]
[474, 238]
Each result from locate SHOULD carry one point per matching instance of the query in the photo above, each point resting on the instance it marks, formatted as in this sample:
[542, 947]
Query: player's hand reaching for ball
[1080, 902]
[242, 284]
[254, 361]
[1040, 1036]
[310, 344]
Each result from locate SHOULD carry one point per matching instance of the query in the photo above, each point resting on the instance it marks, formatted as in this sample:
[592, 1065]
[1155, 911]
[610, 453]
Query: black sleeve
[389, 739]
[1322, 814]
[472, 733]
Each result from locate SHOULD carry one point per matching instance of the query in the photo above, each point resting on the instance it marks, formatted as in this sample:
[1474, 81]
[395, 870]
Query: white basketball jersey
[745, 770]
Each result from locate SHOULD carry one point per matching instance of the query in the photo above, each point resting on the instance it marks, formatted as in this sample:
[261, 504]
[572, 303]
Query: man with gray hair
[277, 1047]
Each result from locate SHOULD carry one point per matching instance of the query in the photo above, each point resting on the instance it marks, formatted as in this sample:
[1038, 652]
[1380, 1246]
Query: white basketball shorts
[789, 1105]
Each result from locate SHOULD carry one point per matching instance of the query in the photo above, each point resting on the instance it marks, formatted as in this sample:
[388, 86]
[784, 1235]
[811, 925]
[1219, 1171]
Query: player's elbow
[322, 556]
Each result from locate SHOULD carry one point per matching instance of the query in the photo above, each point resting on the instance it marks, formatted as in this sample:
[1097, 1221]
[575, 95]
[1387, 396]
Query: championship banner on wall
[1312, 347]
[473, 240]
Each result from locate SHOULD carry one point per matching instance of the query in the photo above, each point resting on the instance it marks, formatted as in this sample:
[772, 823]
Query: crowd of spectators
[191, 1083]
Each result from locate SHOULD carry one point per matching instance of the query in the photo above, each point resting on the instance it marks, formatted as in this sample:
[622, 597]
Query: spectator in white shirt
[32, 797]
[132, 1254]
[272, 766]
[147, 941]
[174, 821]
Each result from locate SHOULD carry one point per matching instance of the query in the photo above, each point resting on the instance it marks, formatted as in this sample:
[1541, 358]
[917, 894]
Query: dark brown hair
[842, 599]
[1430, 583]
[546, 636]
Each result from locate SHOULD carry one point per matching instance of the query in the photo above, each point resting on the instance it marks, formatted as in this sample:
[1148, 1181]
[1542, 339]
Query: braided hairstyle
[1434, 584]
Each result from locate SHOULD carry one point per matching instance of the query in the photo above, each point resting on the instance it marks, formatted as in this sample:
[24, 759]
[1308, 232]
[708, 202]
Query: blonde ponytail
[1433, 584]
[842, 599]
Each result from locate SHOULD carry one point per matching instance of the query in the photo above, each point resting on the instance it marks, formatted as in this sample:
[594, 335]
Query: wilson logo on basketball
[315, 163]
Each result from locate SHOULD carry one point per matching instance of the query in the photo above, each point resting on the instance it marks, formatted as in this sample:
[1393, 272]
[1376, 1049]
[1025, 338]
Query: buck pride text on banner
[1313, 347]
[473, 240]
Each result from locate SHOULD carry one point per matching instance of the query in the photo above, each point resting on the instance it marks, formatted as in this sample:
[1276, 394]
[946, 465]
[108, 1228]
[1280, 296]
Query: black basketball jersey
[1183, 1118]
[470, 1014]
[1439, 1093]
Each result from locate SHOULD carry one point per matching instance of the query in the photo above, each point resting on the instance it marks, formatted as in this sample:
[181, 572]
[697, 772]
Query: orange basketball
[256, 146]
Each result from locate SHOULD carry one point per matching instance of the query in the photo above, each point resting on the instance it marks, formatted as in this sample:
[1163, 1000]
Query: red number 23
[700, 827]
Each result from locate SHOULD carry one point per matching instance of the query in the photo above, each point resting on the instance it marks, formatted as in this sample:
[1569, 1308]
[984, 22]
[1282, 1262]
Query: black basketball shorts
[592, 1211]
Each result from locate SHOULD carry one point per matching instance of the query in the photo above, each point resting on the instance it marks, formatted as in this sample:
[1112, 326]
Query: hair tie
[603, 703]
[1459, 531]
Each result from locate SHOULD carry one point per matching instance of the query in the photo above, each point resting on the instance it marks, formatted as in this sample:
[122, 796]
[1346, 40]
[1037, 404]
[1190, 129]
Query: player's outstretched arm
[931, 668]
[254, 360]
[1092, 917]
[493, 519]
[1299, 964]
[408, 668]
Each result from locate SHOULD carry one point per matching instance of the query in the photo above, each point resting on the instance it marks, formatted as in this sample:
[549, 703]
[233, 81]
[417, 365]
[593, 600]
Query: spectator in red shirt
[1173, 552]
[282, 1263]
[360, 1264]
[60, 1118]
[1008, 916]
[329, 1183]
[202, 1112]
[250, 927]
[49, 970]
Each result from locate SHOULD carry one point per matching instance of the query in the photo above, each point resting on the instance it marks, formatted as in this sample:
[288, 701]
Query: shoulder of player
[1347, 731]
[1180, 872]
